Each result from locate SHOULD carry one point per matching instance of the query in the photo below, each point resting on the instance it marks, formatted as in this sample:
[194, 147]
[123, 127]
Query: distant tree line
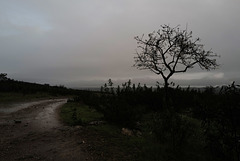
[10, 85]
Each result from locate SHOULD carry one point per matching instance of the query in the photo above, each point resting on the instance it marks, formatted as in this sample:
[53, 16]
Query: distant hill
[10, 85]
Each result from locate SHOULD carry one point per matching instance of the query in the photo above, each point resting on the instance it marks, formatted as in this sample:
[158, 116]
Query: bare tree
[171, 50]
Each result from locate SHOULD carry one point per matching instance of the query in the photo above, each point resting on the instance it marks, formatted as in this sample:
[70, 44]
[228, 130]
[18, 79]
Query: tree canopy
[171, 50]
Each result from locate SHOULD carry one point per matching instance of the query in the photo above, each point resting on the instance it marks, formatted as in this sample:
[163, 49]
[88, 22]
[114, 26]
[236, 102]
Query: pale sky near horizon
[80, 43]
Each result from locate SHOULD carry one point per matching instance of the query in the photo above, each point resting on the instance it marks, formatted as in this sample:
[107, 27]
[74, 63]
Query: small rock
[78, 127]
[81, 142]
[126, 131]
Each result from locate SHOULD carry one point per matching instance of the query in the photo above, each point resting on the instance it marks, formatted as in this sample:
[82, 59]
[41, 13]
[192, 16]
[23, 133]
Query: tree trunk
[166, 99]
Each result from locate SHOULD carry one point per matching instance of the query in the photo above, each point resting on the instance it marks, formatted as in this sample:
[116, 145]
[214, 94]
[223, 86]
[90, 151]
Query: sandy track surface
[32, 131]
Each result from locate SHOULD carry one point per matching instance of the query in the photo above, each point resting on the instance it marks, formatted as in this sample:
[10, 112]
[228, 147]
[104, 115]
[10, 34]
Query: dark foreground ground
[36, 133]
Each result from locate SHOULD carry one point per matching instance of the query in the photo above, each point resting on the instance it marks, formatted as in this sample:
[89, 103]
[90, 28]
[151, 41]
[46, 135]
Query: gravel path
[32, 131]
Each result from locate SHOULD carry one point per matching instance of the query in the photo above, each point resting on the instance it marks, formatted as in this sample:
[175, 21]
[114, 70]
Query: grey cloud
[71, 41]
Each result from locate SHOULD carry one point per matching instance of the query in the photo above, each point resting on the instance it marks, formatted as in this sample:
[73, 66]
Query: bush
[121, 113]
[173, 128]
[221, 123]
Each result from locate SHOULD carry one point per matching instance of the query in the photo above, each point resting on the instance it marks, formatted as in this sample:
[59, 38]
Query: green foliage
[74, 113]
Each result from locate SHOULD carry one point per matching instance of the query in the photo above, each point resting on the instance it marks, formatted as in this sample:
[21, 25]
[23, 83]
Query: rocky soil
[33, 131]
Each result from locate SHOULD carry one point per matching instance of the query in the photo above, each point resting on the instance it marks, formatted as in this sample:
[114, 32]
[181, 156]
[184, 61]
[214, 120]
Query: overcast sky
[80, 43]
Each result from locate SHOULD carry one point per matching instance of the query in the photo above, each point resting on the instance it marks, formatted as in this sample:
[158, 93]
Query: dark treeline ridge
[199, 125]
[10, 85]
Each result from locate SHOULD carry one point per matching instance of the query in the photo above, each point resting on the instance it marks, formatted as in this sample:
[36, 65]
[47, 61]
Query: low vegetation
[10, 97]
[19, 91]
[74, 113]
[196, 125]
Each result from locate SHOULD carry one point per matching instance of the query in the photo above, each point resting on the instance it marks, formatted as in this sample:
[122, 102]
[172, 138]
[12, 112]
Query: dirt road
[33, 131]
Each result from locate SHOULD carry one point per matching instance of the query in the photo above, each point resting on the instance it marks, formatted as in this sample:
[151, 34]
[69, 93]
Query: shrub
[118, 111]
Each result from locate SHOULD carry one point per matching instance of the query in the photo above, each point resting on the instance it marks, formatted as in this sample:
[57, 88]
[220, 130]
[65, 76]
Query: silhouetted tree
[171, 50]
